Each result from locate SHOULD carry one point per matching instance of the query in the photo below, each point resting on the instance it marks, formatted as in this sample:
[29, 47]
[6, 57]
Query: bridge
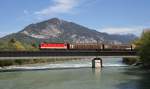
[57, 53]
[68, 53]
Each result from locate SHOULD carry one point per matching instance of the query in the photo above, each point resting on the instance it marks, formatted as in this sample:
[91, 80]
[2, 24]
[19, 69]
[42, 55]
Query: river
[78, 75]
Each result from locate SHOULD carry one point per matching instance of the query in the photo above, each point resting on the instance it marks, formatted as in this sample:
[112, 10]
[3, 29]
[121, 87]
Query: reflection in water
[9, 75]
[144, 82]
[97, 72]
[140, 79]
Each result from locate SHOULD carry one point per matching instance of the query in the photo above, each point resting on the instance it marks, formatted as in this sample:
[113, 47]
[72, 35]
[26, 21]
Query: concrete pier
[97, 63]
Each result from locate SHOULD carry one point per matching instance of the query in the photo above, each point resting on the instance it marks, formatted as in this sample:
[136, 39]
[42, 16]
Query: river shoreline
[44, 66]
[34, 61]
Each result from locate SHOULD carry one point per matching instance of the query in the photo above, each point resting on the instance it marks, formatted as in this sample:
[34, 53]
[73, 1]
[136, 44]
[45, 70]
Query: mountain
[57, 30]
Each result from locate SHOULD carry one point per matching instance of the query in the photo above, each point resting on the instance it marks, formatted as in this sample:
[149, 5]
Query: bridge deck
[52, 53]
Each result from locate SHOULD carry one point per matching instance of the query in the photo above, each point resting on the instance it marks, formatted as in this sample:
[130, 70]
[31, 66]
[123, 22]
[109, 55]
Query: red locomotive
[53, 46]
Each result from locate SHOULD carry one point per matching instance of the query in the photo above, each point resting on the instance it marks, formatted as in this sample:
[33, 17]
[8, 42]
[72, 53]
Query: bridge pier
[97, 63]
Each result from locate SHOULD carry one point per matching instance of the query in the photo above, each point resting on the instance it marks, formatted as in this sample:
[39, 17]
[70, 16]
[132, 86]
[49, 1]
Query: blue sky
[111, 16]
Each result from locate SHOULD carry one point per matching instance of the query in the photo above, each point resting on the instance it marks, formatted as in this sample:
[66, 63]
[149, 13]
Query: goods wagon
[53, 46]
[117, 47]
[85, 46]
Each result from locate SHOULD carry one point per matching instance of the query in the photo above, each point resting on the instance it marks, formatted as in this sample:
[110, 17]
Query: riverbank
[130, 60]
[16, 62]
[67, 64]
[136, 62]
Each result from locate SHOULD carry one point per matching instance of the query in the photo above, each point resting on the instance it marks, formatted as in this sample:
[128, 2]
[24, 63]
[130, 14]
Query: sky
[111, 16]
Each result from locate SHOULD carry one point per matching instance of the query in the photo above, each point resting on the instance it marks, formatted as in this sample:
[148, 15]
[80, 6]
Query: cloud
[58, 7]
[3, 34]
[26, 12]
[123, 30]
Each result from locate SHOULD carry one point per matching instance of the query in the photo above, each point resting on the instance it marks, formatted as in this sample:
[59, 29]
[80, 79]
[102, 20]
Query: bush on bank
[130, 61]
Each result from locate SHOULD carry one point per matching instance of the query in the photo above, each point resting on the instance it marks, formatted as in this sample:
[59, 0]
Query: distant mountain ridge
[57, 30]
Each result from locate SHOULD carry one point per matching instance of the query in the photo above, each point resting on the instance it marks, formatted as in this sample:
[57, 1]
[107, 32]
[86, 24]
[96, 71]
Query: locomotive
[54, 46]
[84, 46]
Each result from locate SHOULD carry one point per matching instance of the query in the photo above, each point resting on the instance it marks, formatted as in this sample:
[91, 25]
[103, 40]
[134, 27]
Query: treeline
[14, 45]
[143, 47]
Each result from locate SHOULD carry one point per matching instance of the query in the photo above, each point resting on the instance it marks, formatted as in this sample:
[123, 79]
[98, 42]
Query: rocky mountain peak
[44, 30]
[55, 21]
[57, 30]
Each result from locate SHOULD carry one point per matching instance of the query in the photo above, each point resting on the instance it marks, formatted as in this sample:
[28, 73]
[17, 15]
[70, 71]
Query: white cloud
[123, 30]
[58, 6]
[3, 34]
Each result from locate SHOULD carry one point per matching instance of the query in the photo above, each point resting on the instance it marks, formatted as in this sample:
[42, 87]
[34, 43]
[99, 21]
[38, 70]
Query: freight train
[84, 46]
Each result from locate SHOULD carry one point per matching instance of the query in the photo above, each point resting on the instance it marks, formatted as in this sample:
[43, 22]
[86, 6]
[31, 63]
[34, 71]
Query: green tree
[144, 48]
[12, 40]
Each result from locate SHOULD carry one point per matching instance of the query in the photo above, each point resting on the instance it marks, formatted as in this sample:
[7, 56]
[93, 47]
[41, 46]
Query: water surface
[110, 77]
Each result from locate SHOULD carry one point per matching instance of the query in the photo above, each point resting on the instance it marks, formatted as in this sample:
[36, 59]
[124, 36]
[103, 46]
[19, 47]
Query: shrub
[129, 60]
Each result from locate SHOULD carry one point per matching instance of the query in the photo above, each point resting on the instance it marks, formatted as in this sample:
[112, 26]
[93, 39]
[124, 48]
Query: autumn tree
[15, 45]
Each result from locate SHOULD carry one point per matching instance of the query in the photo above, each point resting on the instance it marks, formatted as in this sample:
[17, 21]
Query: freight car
[86, 46]
[121, 47]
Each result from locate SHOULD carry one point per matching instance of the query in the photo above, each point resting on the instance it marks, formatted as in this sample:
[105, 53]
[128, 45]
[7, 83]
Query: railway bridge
[67, 53]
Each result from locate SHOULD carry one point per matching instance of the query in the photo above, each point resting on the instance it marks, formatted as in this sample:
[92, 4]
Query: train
[84, 46]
